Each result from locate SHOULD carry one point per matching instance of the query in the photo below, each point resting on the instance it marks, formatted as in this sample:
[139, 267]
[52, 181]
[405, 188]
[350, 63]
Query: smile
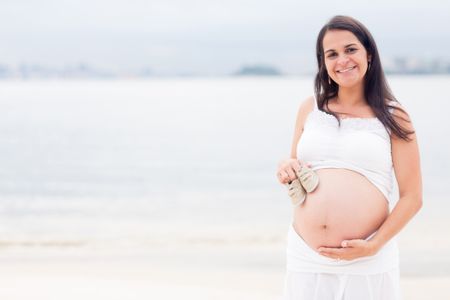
[346, 70]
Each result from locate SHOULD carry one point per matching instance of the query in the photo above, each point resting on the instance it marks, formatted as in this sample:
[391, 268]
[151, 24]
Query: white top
[362, 145]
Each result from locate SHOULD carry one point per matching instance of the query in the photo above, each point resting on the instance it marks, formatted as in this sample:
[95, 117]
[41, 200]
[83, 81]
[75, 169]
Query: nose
[342, 60]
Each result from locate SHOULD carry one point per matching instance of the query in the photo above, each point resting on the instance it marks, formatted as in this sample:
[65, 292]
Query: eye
[333, 54]
[351, 50]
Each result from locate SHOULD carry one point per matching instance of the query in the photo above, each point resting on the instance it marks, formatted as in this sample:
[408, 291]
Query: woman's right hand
[287, 169]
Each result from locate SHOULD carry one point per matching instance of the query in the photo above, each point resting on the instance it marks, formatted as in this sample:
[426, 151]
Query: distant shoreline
[203, 76]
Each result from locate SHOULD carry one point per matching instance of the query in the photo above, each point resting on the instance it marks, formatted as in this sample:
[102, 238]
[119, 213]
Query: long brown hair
[376, 89]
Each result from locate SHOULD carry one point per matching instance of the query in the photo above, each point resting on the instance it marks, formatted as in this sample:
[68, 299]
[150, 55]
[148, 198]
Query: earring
[368, 67]
[329, 80]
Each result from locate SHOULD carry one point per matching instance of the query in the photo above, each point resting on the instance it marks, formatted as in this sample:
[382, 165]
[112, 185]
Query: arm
[287, 167]
[302, 114]
[406, 161]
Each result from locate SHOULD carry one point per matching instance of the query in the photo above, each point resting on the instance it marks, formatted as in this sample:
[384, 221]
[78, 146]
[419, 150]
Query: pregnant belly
[345, 205]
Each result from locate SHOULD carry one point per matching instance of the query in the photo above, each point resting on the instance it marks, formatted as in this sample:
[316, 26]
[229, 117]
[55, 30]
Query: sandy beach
[165, 273]
[213, 263]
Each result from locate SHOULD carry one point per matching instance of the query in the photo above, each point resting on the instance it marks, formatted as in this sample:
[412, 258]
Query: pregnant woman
[355, 136]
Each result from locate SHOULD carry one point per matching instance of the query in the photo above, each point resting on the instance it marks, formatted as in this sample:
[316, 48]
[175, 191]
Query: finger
[296, 164]
[280, 175]
[342, 253]
[291, 174]
[334, 251]
[351, 243]
[329, 254]
[326, 249]
[283, 177]
[283, 164]
[325, 254]
[333, 256]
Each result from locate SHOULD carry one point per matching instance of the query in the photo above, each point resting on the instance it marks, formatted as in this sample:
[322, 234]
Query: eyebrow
[346, 46]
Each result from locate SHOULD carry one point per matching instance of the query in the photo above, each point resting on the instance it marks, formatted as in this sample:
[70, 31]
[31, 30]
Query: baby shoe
[308, 178]
[296, 192]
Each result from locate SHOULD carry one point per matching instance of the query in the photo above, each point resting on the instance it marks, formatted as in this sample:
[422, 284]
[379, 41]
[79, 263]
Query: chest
[364, 141]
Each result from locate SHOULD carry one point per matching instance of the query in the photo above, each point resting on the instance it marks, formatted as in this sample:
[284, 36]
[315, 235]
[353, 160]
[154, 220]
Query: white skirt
[311, 276]
[323, 286]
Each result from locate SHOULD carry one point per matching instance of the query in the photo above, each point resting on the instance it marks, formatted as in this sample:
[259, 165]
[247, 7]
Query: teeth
[345, 70]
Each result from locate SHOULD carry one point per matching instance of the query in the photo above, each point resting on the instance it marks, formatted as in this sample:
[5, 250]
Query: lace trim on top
[353, 123]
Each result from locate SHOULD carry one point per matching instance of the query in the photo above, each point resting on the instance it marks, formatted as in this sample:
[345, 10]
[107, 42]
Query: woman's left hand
[350, 249]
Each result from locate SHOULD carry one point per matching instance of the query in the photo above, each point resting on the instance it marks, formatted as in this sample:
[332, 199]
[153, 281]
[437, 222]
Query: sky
[208, 37]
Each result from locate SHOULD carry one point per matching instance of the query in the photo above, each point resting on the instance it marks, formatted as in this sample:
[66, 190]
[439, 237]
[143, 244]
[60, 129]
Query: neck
[353, 96]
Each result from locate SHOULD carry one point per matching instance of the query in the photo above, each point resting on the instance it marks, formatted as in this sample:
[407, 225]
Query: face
[346, 59]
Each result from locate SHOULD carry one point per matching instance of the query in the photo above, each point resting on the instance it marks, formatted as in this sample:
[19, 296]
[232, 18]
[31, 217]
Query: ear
[369, 58]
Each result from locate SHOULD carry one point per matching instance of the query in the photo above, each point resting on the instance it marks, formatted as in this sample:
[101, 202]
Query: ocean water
[153, 162]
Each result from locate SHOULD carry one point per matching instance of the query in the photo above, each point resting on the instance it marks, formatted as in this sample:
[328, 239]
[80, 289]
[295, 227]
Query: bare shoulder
[306, 107]
[402, 116]
[406, 157]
